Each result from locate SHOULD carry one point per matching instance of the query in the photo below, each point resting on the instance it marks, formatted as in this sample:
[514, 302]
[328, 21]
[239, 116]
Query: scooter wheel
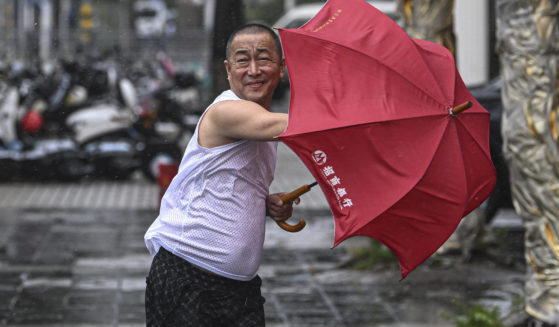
[150, 167]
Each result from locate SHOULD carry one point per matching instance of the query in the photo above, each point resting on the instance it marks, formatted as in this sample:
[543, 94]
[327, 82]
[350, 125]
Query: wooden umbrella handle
[459, 108]
[292, 228]
[288, 197]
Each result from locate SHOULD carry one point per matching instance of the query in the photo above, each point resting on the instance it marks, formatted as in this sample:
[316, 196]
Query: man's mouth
[255, 84]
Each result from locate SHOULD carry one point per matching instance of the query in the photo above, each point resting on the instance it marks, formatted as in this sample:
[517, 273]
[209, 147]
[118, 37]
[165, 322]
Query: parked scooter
[102, 130]
[9, 147]
[170, 110]
[44, 157]
[61, 132]
[167, 120]
[84, 119]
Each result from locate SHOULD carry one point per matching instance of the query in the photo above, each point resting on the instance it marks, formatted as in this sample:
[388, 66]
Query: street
[73, 255]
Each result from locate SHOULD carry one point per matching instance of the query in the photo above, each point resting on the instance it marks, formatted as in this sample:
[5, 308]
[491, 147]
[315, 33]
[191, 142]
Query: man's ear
[282, 67]
[227, 68]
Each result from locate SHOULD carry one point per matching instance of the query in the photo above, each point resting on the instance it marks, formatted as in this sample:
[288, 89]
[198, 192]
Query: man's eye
[243, 62]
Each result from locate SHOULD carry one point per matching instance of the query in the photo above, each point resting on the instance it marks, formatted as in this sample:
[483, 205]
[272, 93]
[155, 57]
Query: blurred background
[46, 30]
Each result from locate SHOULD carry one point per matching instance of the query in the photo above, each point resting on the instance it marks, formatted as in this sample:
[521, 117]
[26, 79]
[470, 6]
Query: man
[208, 238]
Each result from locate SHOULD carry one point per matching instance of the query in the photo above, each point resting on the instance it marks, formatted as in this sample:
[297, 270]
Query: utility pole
[124, 35]
[288, 4]
[228, 16]
[21, 30]
[45, 30]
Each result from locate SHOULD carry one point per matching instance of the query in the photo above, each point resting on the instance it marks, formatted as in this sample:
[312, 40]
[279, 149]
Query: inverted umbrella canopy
[370, 118]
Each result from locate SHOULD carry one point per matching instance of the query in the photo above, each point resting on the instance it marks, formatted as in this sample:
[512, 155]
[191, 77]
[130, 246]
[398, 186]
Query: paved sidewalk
[88, 268]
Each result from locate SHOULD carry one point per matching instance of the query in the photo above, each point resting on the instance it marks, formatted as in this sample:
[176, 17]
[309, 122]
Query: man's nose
[253, 68]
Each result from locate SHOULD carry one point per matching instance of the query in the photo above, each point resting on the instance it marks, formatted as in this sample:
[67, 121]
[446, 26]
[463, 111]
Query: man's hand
[277, 209]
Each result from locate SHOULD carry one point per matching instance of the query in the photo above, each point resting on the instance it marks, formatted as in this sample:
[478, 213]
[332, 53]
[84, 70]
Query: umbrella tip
[459, 108]
[276, 28]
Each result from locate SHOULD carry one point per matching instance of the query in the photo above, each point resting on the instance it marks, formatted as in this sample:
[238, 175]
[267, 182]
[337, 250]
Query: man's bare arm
[230, 121]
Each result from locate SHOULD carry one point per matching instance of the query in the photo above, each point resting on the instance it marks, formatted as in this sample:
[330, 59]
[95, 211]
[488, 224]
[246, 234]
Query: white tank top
[213, 213]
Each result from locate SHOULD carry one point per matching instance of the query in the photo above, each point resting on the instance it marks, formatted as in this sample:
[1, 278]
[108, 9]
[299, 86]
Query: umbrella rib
[475, 140]
[377, 60]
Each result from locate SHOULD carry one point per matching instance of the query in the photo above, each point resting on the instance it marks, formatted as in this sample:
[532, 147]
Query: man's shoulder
[222, 100]
[227, 102]
[228, 95]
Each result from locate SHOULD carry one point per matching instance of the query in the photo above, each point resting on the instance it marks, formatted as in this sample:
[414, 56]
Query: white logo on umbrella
[319, 157]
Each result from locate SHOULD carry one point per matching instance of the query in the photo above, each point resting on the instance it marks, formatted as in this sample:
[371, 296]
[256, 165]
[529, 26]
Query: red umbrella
[370, 116]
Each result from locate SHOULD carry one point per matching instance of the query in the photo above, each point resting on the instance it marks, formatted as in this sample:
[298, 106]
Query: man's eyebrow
[246, 51]
[241, 51]
[263, 50]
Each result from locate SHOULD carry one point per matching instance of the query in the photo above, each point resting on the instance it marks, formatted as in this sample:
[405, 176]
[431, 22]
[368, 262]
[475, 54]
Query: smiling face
[254, 67]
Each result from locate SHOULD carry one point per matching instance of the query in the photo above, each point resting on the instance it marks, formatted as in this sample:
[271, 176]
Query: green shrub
[365, 258]
[474, 315]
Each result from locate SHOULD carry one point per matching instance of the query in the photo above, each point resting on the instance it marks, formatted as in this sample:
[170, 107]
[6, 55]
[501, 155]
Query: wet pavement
[70, 259]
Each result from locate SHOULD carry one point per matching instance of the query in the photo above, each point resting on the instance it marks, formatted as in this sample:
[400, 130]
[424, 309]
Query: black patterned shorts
[180, 294]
